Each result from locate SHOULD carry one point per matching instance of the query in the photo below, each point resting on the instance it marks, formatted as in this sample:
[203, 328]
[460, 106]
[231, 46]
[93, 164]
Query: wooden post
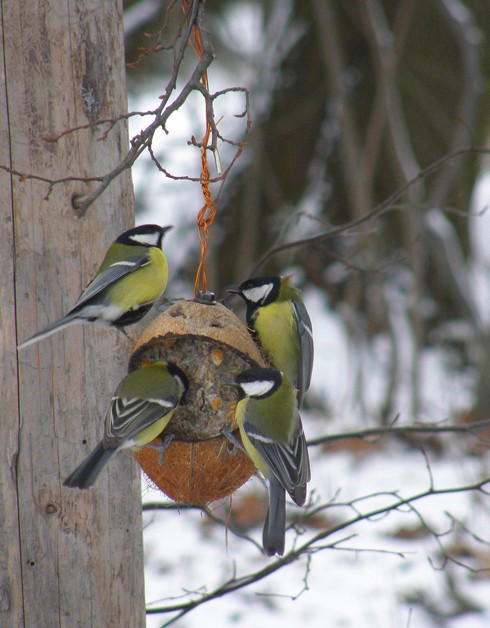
[67, 557]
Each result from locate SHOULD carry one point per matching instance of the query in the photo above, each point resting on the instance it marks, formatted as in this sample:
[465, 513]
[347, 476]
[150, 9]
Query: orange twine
[207, 213]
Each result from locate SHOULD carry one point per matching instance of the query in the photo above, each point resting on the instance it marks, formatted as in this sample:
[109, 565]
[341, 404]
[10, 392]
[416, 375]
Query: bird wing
[104, 279]
[288, 461]
[109, 276]
[128, 417]
[305, 334]
[298, 495]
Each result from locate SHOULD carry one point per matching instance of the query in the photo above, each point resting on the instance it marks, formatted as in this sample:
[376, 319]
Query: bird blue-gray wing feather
[304, 326]
[109, 276]
[288, 461]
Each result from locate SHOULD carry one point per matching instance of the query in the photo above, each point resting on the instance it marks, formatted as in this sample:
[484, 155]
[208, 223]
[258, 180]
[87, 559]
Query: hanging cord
[207, 213]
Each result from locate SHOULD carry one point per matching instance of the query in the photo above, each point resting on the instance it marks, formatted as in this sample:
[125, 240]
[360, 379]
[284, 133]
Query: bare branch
[426, 428]
[313, 545]
[143, 141]
[387, 205]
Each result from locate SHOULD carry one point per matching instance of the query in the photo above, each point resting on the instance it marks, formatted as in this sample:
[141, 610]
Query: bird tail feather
[58, 325]
[273, 537]
[86, 473]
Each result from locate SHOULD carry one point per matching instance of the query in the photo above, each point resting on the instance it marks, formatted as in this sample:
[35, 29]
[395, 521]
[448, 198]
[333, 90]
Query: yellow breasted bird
[272, 434]
[282, 326]
[131, 278]
[140, 409]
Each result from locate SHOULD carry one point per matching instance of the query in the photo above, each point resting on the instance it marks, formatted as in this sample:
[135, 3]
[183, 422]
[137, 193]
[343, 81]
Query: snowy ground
[367, 581]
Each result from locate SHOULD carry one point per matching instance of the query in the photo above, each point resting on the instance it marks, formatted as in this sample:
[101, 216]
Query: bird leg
[237, 445]
[125, 333]
[163, 447]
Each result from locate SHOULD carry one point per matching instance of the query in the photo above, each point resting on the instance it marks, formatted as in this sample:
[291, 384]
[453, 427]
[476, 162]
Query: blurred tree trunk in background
[66, 557]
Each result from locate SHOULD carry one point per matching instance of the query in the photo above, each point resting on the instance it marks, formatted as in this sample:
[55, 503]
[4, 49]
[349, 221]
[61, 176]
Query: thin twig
[426, 428]
[311, 546]
[380, 209]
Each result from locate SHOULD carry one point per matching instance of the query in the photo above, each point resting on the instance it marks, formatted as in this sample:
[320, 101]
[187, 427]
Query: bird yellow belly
[276, 327]
[148, 283]
[257, 459]
[153, 430]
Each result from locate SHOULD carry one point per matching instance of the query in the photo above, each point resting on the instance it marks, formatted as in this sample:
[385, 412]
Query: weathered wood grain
[67, 558]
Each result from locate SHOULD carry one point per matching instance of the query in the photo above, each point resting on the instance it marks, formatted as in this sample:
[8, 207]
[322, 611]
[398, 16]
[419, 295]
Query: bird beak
[233, 290]
[165, 229]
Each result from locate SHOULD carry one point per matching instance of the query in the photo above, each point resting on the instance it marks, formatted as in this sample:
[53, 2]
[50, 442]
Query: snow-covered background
[390, 570]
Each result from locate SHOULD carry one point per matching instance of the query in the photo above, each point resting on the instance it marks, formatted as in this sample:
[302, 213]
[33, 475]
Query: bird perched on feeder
[132, 276]
[272, 434]
[282, 326]
[140, 409]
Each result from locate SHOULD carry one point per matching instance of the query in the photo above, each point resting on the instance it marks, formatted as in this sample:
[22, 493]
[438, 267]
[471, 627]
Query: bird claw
[237, 445]
[162, 448]
[125, 333]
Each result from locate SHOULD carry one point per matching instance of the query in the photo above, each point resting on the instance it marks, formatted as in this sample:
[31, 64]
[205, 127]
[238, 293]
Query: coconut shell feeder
[211, 345]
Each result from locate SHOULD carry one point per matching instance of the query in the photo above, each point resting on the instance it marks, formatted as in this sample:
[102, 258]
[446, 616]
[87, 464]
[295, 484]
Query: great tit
[140, 409]
[131, 278]
[272, 434]
[282, 326]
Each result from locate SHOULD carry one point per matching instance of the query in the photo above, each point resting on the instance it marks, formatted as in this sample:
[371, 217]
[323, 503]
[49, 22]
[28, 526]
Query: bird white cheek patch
[257, 294]
[257, 388]
[150, 239]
